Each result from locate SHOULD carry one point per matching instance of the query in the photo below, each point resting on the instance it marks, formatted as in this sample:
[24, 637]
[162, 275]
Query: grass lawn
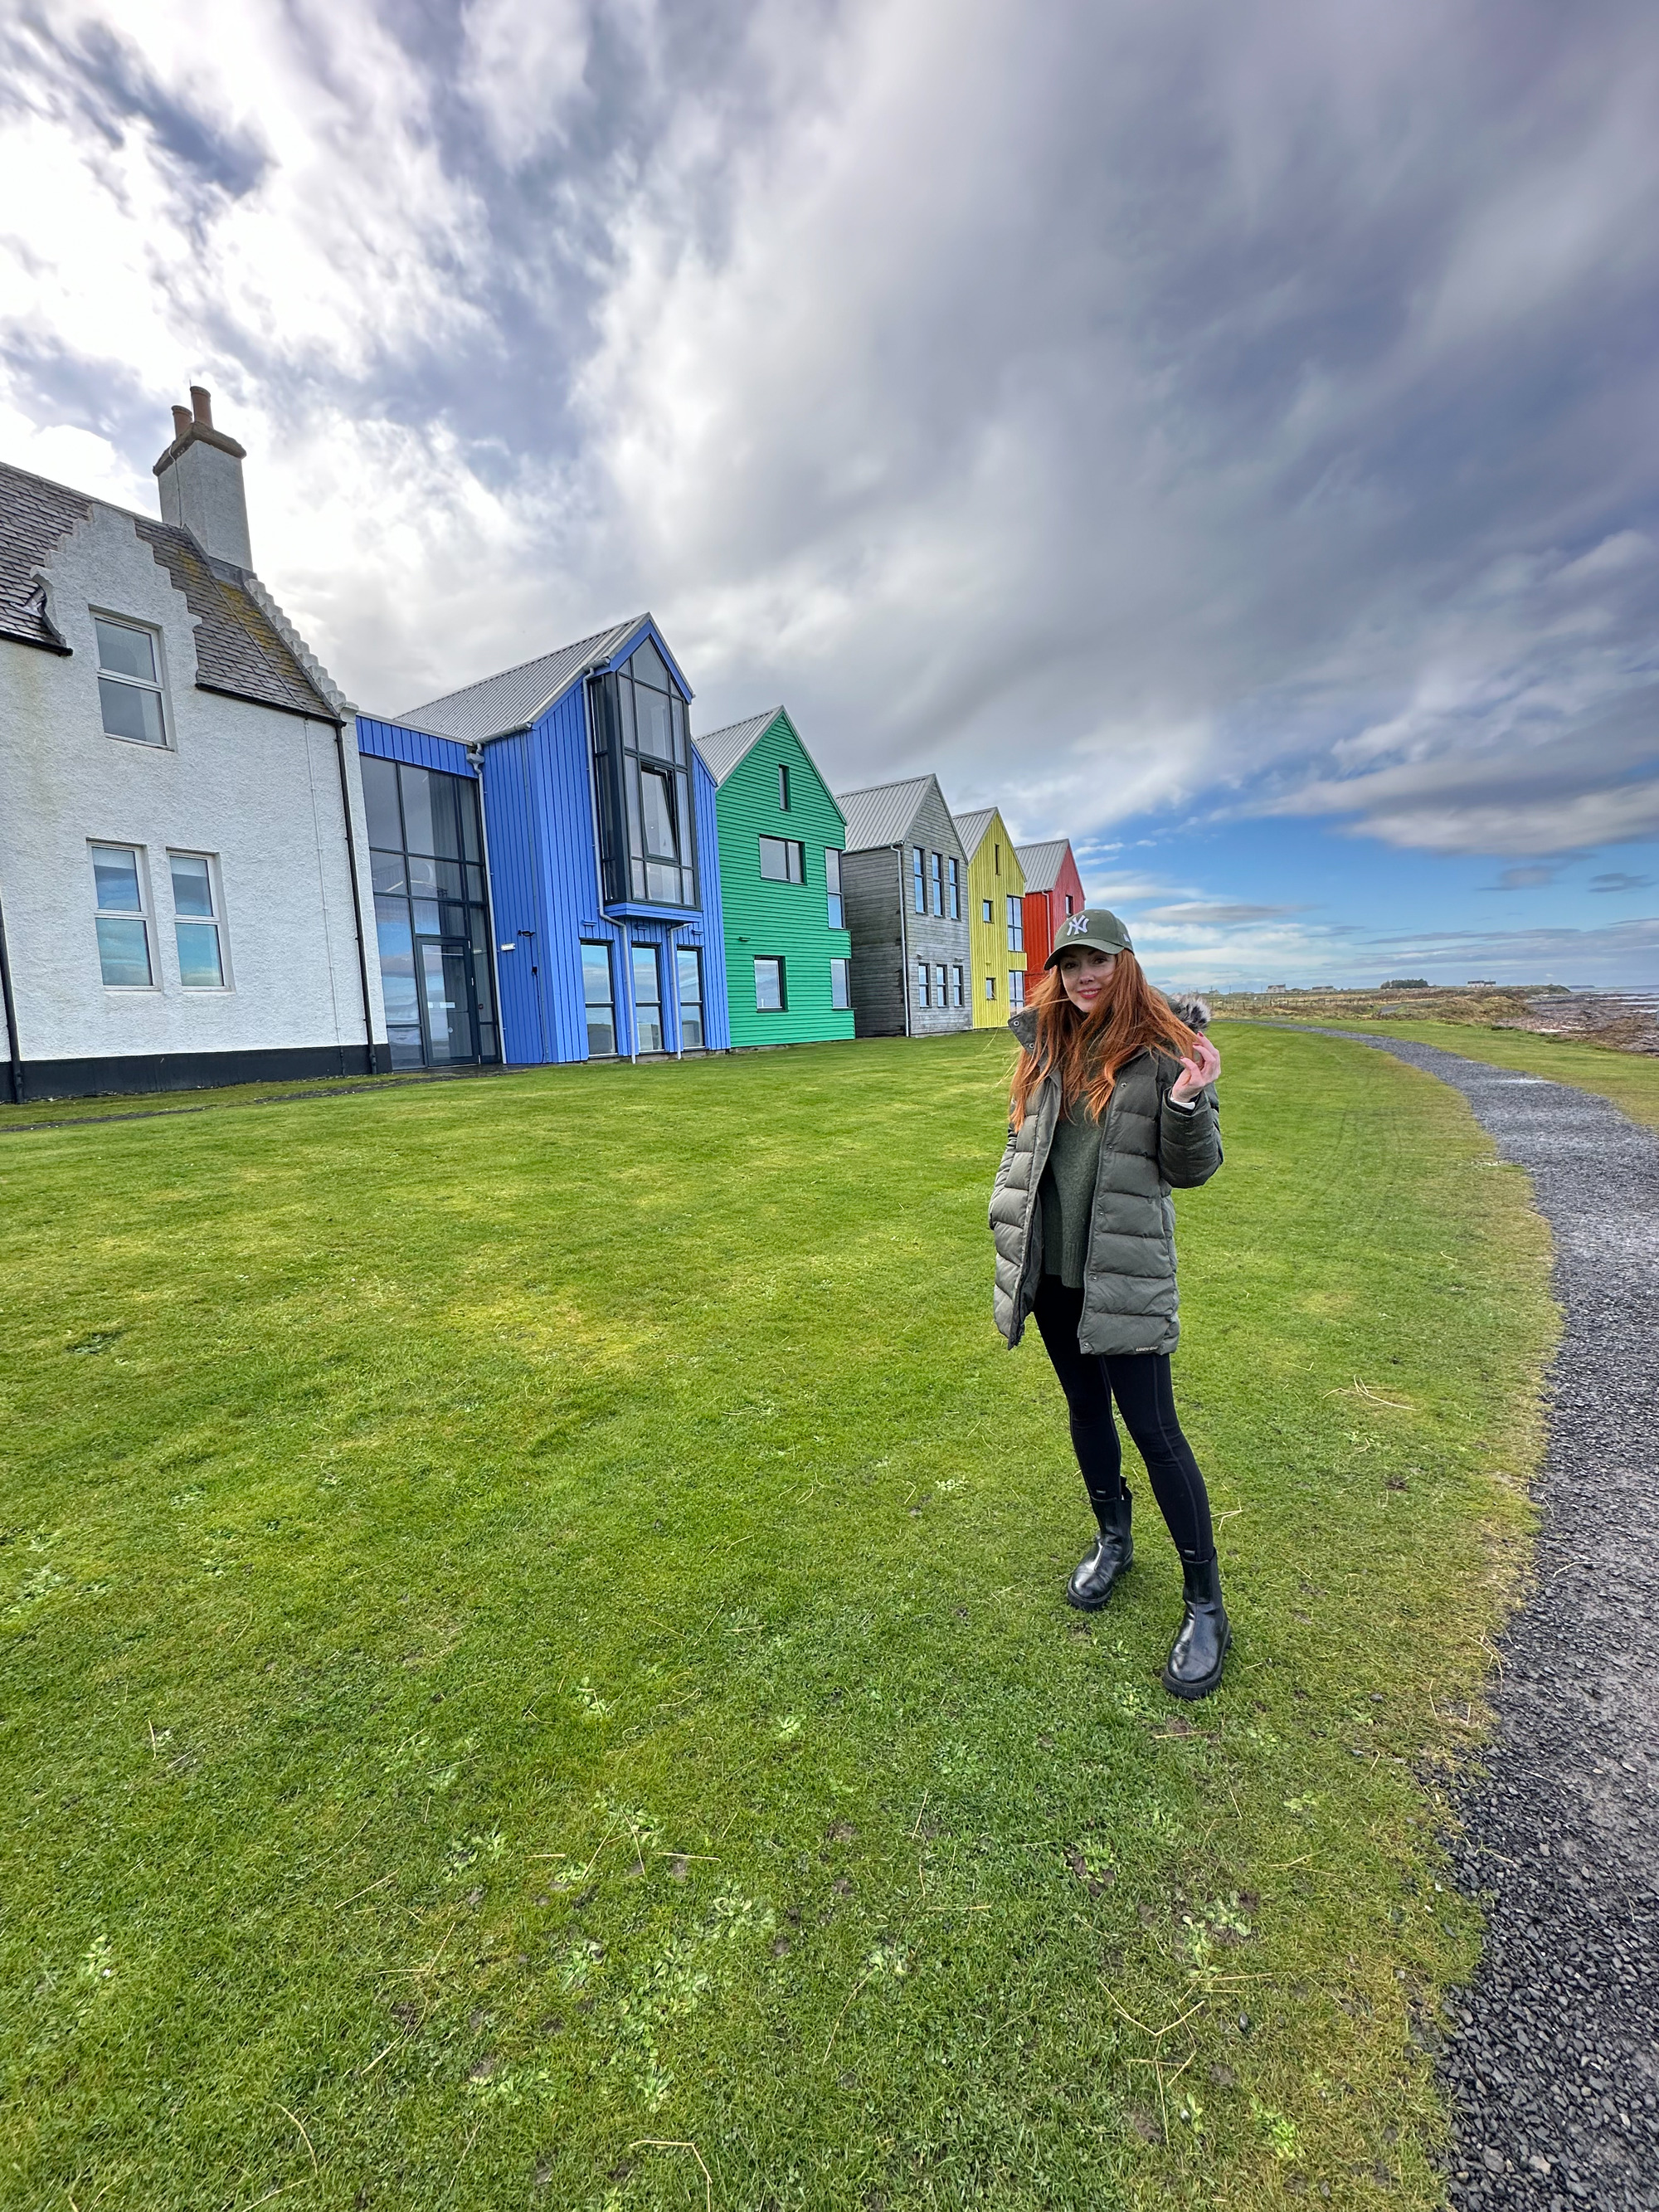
[138, 1105]
[1630, 1079]
[535, 1667]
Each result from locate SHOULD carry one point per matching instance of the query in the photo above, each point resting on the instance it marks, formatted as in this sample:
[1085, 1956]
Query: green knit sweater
[1068, 1194]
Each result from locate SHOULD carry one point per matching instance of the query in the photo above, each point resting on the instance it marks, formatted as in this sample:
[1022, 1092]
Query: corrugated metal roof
[971, 827]
[1041, 863]
[238, 648]
[722, 750]
[517, 697]
[882, 815]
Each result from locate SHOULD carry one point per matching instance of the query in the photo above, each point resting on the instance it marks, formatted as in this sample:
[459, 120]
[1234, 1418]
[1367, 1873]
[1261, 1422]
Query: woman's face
[1084, 973]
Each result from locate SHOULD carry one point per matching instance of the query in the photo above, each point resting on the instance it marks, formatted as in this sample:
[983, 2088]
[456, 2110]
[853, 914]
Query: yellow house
[996, 917]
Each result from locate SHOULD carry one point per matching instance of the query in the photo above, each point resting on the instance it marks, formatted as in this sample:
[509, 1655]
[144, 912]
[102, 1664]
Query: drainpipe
[904, 946]
[357, 897]
[13, 1049]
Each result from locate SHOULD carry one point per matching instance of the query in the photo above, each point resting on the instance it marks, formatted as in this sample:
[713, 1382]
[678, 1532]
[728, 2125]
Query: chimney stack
[200, 477]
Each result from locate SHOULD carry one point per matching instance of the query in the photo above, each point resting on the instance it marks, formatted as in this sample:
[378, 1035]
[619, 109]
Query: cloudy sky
[1222, 431]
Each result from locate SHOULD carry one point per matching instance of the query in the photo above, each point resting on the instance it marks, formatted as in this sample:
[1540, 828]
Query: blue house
[545, 860]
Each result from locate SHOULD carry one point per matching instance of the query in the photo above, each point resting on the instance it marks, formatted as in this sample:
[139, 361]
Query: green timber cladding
[786, 965]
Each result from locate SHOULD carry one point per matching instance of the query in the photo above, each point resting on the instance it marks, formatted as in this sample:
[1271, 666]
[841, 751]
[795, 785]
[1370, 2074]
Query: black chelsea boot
[1196, 1656]
[1097, 1576]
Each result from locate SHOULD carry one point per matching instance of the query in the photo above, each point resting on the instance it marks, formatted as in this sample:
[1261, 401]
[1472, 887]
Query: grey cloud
[1620, 879]
[1117, 409]
[1525, 878]
[1200, 911]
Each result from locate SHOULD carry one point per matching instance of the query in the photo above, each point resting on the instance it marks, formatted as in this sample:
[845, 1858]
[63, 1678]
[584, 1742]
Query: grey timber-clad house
[904, 883]
[182, 880]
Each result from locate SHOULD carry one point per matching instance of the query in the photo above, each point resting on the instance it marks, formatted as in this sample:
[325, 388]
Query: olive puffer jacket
[1147, 1148]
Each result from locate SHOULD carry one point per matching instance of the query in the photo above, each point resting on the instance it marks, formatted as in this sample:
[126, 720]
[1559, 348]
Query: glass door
[446, 999]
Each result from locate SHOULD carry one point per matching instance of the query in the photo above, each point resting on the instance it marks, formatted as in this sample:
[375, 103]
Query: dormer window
[130, 682]
[642, 768]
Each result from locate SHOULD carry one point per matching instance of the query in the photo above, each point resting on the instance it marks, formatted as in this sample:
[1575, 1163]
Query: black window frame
[629, 874]
[919, 878]
[936, 883]
[1015, 923]
[783, 787]
[841, 961]
[924, 984]
[954, 877]
[411, 875]
[834, 901]
[773, 960]
[794, 853]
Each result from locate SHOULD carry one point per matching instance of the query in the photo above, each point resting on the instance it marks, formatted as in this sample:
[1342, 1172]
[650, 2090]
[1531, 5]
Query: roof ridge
[517, 667]
[707, 736]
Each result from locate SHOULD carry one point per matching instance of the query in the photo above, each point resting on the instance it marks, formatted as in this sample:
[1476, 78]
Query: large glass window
[688, 968]
[1016, 924]
[768, 987]
[841, 985]
[196, 922]
[938, 878]
[130, 682]
[642, 767]
[954, 874]
[123, 923]
[783, 860]
[426, 862]
[832, 880]
[598, 994]
[647, 998]
[919, 878]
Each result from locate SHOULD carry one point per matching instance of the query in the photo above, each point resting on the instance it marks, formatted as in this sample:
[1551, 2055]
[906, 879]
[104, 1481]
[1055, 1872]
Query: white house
[182, 879]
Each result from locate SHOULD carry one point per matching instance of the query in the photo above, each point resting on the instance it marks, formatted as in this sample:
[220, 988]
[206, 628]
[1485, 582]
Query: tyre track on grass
[1553, 2068]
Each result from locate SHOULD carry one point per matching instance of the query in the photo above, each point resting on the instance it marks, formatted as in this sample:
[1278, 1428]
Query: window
[1016, 924]
[990, 987]
[832, 882]
[939, 985]
[768, 987]
[841, 985]
[647, 998]
[426, 863]
[938, 878]
[923, 972]
[919, 878]
[196, 922]
[1068, 902]
[782, 860]
[996, 853]
[601, 1006]
[129, 682]
[958, 987]
[642, 774]
[783, 787]
[688, 968]
[956, 891]
[1016, 988]
[987, 911]
[123, 926]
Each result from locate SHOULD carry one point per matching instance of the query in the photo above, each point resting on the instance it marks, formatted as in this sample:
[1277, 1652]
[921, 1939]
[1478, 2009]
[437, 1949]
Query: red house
[1054, 889]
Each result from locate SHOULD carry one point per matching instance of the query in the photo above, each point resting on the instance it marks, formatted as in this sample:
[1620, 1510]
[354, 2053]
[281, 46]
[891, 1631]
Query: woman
[1113, 1105]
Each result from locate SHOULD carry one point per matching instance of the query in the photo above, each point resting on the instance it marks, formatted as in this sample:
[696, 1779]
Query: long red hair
[1087, 1050]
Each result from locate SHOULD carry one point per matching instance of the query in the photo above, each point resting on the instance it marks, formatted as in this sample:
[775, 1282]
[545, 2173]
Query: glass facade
[647, 998]
[688, 968]
[642, 773]
[599, 995]
[426, 858]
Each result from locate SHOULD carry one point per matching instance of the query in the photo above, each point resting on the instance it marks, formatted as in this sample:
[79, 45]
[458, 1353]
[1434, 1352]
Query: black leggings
[1140, 1380]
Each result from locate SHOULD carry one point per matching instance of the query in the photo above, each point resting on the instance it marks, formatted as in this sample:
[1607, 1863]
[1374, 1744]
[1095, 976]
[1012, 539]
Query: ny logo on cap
[1077, 925]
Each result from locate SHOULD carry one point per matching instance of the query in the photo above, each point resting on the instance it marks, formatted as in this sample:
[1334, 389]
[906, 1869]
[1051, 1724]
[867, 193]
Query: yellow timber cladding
[996, 918]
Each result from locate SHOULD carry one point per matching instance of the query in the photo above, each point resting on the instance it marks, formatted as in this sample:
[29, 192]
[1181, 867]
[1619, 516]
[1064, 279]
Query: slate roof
[517, 697]
[722, 750]
[971, 827]
[882, 815]
[238, 649]
[1041, 863]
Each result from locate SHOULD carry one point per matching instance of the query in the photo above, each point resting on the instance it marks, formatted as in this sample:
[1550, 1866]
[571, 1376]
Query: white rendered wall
[259, 789]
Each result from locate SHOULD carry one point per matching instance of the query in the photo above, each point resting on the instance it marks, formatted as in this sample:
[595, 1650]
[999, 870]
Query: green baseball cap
[1097, 928]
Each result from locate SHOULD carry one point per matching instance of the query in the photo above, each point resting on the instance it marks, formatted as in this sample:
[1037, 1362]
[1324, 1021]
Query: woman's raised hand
[1203, 1067]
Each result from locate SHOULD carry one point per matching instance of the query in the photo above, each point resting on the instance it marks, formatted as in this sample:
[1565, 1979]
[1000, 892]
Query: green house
[788, 953]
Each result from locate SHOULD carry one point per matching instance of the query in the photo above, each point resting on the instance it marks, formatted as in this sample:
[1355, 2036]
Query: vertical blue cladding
[568, 867]
[392, 741]
[510, 826]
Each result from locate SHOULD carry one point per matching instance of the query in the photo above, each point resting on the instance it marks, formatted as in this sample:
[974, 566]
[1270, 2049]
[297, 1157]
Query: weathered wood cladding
[790, 921]
[890, 939]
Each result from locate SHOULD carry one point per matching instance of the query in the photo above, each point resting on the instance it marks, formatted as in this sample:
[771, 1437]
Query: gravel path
[1553, 2073]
